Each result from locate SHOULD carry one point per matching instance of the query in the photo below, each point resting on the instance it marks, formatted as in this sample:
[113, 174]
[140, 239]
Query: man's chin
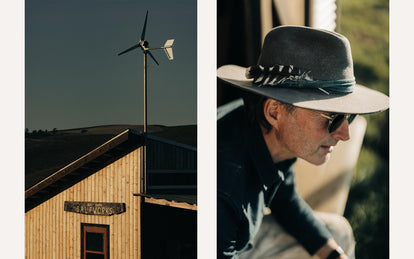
[319, 160]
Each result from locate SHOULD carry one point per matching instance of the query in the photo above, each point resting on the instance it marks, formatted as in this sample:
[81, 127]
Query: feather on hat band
[290, 76]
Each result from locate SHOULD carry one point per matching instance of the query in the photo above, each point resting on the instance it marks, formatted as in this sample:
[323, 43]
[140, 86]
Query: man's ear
[271, 110]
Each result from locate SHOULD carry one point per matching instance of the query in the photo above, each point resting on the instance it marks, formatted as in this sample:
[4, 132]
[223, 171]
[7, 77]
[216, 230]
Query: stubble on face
[301, 134]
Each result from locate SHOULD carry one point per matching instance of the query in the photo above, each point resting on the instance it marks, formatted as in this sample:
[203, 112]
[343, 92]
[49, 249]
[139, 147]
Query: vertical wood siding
[51, 232]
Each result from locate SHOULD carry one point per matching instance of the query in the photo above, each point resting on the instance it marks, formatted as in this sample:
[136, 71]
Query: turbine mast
[143, 44]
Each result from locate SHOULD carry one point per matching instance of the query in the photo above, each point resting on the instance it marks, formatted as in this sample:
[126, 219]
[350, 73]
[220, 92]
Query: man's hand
[325, 250]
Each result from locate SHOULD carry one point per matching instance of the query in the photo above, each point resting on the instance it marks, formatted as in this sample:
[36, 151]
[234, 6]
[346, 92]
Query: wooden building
[96, 206]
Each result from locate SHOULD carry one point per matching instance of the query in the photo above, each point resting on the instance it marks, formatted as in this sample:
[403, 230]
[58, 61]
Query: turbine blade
[127, 50]
[145, 27]
[153, 58]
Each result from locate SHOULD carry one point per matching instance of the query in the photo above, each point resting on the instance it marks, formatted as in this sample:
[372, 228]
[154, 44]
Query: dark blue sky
[74, 77]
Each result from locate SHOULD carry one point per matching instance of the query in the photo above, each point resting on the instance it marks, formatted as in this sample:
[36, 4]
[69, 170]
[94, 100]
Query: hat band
[290, 76]
[340, 86]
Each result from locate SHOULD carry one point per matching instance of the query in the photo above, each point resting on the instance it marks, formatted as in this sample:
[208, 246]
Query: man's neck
[277, 150]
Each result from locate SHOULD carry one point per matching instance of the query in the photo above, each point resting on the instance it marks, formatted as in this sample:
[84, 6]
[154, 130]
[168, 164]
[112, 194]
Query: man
[298, 102]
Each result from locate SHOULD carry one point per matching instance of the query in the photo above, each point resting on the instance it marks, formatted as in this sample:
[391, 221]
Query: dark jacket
[248, 181]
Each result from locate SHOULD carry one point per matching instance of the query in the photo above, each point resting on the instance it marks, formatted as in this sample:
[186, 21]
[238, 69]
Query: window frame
[94, 228]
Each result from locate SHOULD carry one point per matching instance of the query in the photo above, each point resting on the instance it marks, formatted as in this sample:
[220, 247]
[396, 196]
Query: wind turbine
[144, 45]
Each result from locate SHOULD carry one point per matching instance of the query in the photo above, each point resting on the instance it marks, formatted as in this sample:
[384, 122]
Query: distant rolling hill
[47, 152]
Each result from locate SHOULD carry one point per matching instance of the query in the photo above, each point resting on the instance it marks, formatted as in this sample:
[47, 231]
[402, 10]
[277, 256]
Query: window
[95, 241]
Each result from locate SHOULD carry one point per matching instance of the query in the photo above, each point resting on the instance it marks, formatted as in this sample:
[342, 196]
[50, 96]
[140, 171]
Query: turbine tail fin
[168, 49]
[169, 43]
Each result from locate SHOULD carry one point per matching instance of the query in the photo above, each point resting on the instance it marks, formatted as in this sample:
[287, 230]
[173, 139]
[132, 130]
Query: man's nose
[342, 133]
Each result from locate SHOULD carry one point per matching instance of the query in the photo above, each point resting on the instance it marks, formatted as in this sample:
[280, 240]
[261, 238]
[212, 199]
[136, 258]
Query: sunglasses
[335, 120]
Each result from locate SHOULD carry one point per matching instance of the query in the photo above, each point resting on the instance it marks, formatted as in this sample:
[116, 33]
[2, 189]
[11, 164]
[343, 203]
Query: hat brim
[361, 101]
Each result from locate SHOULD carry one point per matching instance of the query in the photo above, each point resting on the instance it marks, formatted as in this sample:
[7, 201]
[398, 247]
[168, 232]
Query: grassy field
[366, 25]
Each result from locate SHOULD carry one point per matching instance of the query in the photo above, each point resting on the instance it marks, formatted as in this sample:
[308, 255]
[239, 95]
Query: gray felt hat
[308, 68]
